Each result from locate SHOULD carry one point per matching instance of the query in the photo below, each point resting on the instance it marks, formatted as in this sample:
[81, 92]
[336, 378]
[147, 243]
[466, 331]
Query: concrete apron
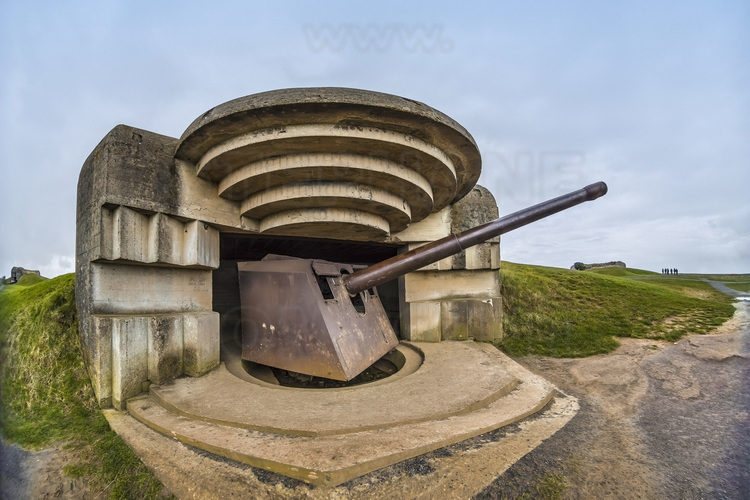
[326, 437]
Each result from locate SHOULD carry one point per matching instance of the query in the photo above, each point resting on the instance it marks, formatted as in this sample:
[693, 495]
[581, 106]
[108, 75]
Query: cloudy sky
[649, 96]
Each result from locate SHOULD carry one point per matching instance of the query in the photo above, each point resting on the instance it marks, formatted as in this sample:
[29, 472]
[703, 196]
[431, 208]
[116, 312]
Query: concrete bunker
[344, 173]
[167, 226]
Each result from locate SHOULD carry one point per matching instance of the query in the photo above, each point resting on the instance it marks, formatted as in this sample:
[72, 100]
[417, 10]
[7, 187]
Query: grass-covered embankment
[45, 393]
[563, 313]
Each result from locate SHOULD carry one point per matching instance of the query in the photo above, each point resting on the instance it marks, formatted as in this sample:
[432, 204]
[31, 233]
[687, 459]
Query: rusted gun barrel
[399, 265]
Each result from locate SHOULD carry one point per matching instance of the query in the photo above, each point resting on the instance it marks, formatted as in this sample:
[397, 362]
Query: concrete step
[327, 439]
[450, 379]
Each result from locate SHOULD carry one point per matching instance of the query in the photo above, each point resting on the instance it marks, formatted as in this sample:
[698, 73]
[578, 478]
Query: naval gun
[325, 319]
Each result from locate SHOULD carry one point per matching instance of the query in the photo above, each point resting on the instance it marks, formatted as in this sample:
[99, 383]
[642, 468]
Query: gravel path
[723, 288]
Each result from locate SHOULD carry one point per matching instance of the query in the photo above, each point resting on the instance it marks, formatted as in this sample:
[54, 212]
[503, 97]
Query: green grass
[621, 272]
[740, 287]
[720, 277]
[563, 313]
[551, 486]
[30, 279]
[46, 395]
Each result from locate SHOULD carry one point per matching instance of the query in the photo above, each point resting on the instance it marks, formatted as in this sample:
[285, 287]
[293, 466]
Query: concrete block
[480, 320]
[130, 289]
[165, 240]
[454, 320]
[479, 256]
[164, 348]
[446, 285]
[420, 322]
[133, 236]
[122, 226]
[198, 200]
[137, 168]
[201, 343]
[485, 319]
[129, 235]
[476, 208]
[495, 255]
[129, 357]
[100, 362]
[151, 349]
[433, 227]
[101, 243]
[201, 245]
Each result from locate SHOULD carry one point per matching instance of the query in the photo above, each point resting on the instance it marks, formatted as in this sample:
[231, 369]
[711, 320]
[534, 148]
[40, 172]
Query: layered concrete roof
[344, 160]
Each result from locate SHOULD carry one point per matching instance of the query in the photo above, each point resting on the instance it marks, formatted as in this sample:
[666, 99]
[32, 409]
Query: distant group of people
[672, 271]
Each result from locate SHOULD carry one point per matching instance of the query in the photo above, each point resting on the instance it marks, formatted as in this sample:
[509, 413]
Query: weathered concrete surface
[330, 436]
[460, 470]
[305, 161]
[458, 297]
[432, 392]
[448, 305]
[143, 276]
[374, 121]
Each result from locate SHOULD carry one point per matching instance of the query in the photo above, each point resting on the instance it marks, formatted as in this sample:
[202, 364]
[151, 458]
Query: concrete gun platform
[329, 436]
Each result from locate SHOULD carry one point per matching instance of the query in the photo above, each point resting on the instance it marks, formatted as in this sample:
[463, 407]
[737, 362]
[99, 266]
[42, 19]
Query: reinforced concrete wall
[457, 298]
[143, 268]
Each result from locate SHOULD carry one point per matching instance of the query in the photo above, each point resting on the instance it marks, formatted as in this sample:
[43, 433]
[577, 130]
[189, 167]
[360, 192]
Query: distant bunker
[343, 175]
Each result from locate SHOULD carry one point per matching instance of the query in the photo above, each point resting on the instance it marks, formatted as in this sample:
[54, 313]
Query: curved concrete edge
[290, 430]
[191, 473]
[432, 392]
[332, 460]
[345, 107]
[227, 118]
[413, 359]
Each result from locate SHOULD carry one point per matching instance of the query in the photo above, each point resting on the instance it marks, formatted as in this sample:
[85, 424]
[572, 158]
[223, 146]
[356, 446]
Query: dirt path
[39, 475]
[657, 420]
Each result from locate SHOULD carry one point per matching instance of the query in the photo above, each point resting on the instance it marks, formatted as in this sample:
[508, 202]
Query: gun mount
[325, 319]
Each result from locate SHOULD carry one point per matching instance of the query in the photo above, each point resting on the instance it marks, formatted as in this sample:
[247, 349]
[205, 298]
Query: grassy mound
[29, 279]
[562, 313]
[46, 395]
